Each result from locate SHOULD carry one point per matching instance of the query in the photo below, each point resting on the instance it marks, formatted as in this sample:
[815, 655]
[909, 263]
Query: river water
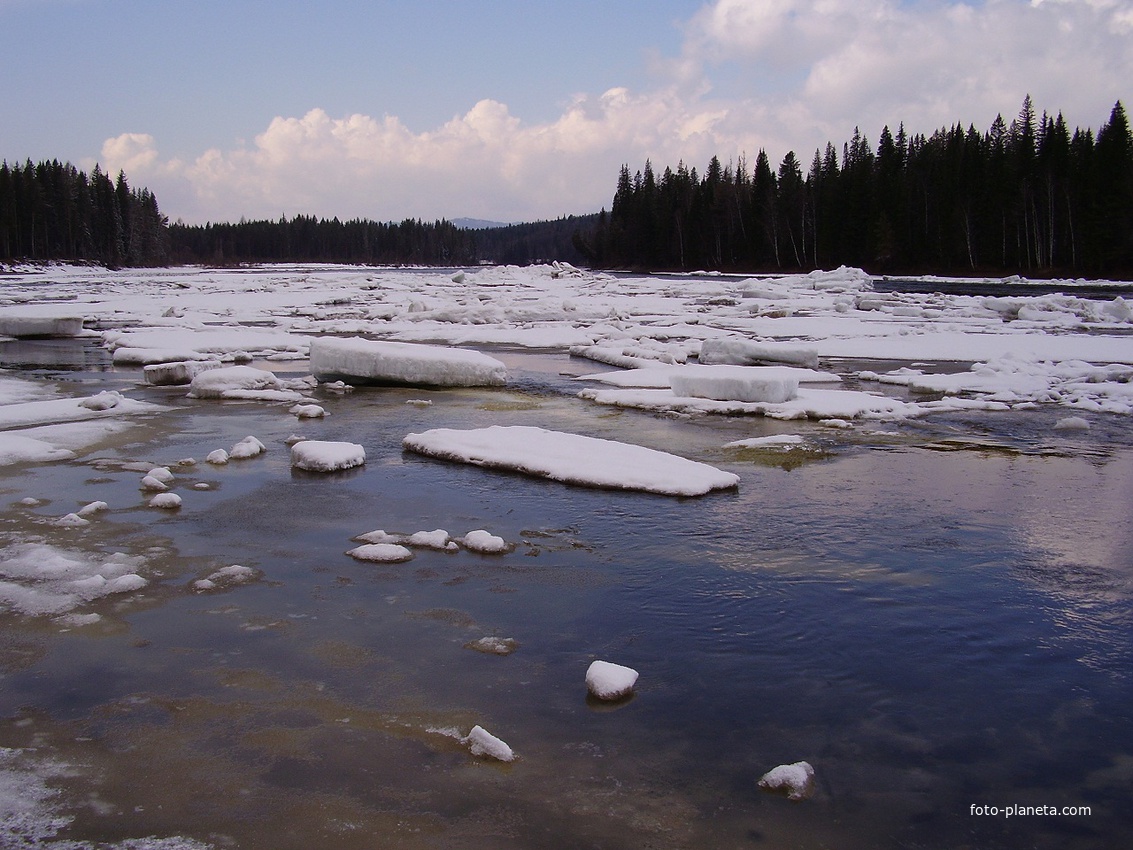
[935, 614]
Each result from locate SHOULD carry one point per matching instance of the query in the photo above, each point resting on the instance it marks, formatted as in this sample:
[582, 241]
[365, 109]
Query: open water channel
[935, 614]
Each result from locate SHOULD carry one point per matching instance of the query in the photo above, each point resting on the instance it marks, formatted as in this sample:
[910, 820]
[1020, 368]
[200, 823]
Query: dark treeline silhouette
[1029, 198]
[53, 211]
[521, 244]
[319, 240]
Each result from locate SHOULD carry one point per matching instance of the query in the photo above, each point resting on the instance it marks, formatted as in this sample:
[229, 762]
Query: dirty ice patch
[572, 459]
[38, 579]
[370, 361]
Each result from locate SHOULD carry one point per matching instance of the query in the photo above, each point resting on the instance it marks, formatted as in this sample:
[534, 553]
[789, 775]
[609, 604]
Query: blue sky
[513, 110]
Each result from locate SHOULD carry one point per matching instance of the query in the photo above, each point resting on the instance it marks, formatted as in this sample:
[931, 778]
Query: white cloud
[775, 74]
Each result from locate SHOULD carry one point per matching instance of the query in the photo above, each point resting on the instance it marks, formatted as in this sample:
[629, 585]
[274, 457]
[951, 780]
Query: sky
[514, 110]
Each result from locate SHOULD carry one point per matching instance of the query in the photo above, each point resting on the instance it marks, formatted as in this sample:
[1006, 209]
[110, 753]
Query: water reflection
[930, 629]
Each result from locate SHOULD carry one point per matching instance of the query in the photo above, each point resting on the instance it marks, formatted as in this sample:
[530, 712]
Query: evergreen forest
[1028, 197]
[53, 211]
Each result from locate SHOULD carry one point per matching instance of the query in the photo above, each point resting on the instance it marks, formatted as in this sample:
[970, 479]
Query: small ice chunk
[796, 780]
[230, 381]
[219, 457]
[176, 374]
[46, 326]
[71, 521]
[168, 501]
[161, 473]
[226, 577]
[326, 456]
[124, 584]
[382, 553]
[308, 411]
[1072, 423]
[93, 508]
[485, 543]
[105, 400]
[608, 681]
[483, 743]
[747, 352]
[154, 484]
[403, 363]
[246, 448]
[491, 645]
[734, 383]
[437, 539]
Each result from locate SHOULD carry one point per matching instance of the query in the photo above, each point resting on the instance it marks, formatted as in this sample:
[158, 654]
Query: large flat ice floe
[572, 459]
[369, 361]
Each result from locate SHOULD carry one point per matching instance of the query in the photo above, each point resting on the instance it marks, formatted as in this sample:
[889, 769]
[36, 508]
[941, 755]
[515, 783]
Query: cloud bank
[777, 75]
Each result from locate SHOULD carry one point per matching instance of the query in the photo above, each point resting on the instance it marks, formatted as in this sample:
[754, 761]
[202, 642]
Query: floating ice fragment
[436, 539]
[47, 326]
[232, 382]
[572, 459]
[483, 743]
[226, 577]
[382, 553]
[1072, 423]
[168, 501]
[485, 543]
[154, 484]
[608, 681]
[325, 456]
[403, 363]
[176, 374]
[161, 473]
[93, 508]
[796, 780]
[491, 645]
[218, 457]
[734, 383]
[71, 521]
[308, 411]
[747, 352]
[246, 448]
[105, 400]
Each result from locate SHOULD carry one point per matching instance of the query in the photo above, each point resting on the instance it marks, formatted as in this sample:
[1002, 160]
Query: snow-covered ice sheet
[572, 459]
[363, 360]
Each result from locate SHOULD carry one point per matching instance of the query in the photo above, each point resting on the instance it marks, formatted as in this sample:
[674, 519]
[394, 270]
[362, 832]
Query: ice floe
[41, 579]
[739, 383]
[382, 553]
[795, 781]
[326, 456]
[362, 360]
[740, 351]
[572, 459]
[485, 543]
[608, 681]
[483, 743]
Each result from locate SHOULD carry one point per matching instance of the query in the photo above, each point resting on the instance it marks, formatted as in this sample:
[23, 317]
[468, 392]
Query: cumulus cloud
[774, 74]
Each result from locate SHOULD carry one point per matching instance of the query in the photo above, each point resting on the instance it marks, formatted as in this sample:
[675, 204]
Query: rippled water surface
[935, 614]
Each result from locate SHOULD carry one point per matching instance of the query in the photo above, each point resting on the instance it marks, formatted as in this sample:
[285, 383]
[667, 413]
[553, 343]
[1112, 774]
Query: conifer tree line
[53, 211]
[1029, 197]
[309, 239]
